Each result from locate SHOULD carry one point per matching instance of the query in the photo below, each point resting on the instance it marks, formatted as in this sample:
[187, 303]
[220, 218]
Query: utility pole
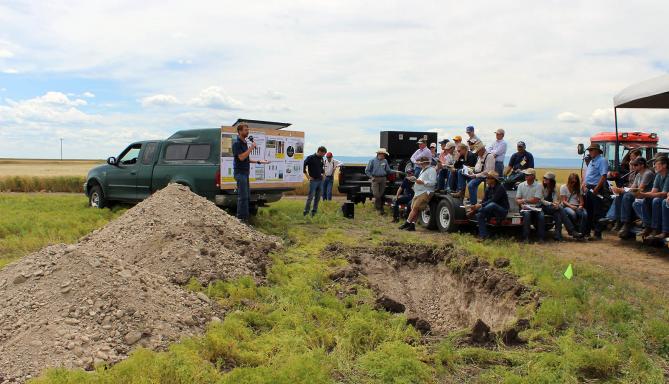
[61, 149]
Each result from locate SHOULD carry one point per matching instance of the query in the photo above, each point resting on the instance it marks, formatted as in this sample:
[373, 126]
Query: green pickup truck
[189, 157]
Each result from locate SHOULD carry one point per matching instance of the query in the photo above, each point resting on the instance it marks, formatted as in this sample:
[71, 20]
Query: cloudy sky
[101, 76]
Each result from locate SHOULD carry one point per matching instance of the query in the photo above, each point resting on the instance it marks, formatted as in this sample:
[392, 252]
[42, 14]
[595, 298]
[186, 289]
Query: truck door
[122, 179]
[147, 160]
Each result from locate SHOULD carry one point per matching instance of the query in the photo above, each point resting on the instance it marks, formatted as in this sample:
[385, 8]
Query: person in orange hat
[330, 165]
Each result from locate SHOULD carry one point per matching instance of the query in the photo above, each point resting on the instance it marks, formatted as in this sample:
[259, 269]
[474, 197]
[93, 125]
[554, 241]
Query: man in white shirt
[498, 149]
[330, 165]
[423, 189]
[528, 196]
[422, 151]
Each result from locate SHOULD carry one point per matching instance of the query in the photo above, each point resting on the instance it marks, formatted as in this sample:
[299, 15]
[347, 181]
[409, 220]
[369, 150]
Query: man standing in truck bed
[314, 169]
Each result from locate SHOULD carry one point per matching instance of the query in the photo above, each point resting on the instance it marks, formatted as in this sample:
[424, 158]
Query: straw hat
[530, 171]
[383, 150]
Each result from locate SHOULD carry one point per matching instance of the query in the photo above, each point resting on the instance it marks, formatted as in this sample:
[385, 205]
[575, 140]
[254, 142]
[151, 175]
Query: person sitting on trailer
[423, 189]
[434, 154]
[519, 161]
[465, 159]
[495, 204]
[651, 205]
[625, 213]
[446, 162]
[528, 196]
[403, 196]
[484, 164]
[550, 204]
[422, 151]
[613, 214]
[473, 139]
[572, 211]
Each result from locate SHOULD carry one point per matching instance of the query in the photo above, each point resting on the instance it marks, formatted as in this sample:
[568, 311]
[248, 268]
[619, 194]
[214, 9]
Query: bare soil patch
[120, 286]
[439, 288]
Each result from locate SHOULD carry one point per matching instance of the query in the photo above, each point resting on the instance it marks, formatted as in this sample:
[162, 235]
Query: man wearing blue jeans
[314, 170]
[485, 163]
[528, 196]
[495, 204]
[330, 166]
[241, 166]
[654, 200]
[625, 212]
[594, 183]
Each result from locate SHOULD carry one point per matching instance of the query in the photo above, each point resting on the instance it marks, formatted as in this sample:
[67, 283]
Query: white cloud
[88, 94]
[569, 117]
[6, 53]
[159, 101]
[50, 108]
[215, 97]
[274, 95]
[10, 71]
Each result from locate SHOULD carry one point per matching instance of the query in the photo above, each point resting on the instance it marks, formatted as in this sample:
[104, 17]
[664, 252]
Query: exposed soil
[439, 288]
[119, 287]
[632, 260]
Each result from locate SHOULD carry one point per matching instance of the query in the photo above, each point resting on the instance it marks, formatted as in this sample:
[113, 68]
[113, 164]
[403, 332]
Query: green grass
[30, 222]
[298, 328]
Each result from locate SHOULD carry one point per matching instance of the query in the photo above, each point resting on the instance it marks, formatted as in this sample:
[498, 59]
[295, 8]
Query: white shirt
[429, 177]
[498, 148]
[425, 152]
[484, 165]
[330, 166]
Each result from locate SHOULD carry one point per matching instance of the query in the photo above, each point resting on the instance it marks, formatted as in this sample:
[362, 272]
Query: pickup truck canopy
[653, 93]
[262, 124]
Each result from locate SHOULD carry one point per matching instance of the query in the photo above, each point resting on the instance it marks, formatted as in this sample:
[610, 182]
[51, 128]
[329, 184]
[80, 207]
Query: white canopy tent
[650, 94]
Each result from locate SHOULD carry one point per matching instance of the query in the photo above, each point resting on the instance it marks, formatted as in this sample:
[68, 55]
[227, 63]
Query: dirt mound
[439, 288]
[94, 301]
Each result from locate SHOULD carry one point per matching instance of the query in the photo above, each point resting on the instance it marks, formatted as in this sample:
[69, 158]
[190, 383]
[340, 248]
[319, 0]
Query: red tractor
[617, 151]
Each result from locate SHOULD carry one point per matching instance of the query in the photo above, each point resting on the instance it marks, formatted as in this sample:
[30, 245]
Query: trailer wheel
[445, 216]
[426, 218]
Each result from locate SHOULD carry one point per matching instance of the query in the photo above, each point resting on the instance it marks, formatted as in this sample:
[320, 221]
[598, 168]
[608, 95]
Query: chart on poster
[284, 151]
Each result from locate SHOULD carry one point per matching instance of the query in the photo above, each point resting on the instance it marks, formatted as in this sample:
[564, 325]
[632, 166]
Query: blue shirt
[239, 146]
[377, 168]
[661, 183]
[597, 168]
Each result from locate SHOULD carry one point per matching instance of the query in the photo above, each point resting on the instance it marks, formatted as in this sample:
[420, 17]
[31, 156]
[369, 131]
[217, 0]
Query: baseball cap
[450, 145]
[433, 145]
[521, 144]
[470, 129]
[421, 141]
[445, 141]
[329, 154]
[457, 138]
[549, 176]
[499, 131]
[530, 171]
[639, 161]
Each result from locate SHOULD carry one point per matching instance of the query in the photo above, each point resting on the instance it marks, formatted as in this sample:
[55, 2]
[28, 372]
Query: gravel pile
[119, 287]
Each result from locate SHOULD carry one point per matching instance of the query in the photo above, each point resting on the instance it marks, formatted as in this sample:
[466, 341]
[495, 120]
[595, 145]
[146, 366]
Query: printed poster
[284, 153]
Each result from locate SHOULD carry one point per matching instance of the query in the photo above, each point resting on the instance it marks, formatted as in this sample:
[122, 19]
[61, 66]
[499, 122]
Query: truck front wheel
[96, 198]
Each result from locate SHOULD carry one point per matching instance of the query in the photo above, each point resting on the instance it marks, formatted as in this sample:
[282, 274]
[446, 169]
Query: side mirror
[580, 149]
[112, 161]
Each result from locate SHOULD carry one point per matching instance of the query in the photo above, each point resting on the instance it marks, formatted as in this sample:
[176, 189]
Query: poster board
[283, 149]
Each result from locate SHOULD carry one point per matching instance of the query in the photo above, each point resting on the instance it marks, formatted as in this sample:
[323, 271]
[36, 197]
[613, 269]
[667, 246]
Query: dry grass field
[46, 167]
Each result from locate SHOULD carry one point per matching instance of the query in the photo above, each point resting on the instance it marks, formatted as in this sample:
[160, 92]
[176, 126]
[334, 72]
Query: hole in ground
[439, 288]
